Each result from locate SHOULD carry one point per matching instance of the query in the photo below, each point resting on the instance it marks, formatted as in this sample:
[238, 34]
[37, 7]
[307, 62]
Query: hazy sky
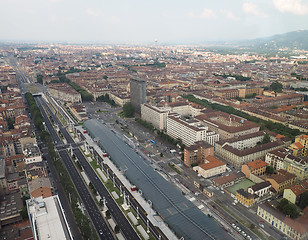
[136, 21]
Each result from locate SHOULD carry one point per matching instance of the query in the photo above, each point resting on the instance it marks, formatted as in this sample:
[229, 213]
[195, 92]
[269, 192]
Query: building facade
[282, 158]
[241, 155]
[154, 115]
[197, 153]
[281, 180]
[211, 167]
[256, 168]
[300, 146]
[227, 125]
[188, 132]
[137, 93]
[295, 229]
[64, 92]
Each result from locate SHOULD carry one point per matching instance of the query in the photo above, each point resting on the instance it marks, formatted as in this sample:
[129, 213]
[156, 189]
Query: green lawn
[245, 184]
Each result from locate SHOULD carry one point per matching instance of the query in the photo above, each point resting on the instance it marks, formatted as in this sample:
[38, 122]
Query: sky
[143, 21]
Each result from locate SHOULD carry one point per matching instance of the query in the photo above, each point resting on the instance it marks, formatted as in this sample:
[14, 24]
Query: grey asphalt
[89, 204]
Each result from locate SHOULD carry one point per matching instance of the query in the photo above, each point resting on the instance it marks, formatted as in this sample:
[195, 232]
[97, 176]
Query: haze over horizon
[139, 21]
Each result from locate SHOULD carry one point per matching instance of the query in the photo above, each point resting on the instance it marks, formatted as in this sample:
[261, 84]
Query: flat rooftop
[47, 218]
[178, 212]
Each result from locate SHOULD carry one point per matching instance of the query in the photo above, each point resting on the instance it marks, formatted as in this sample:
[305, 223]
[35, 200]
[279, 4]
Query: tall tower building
[137, 93]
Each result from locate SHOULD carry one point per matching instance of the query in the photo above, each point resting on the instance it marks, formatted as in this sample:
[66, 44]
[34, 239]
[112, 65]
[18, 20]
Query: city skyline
[148, 22]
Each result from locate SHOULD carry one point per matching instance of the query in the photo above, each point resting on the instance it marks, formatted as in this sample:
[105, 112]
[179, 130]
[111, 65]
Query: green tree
[105, 77]
[283, 203]
[303, 200]
[39, 78]
[24, 213]
[117, 229]
[269, 169]
[108, 214]
[253, 95]
[194, 164]
[276, 86]
[10, 123]
[161, 154]
[290, 210]
[128, 110]
[266, 138]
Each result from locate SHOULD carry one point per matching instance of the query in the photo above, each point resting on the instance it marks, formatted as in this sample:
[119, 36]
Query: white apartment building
[156, 116]
[276, 159]
[188, 131]
[212, 137]
[185, 109]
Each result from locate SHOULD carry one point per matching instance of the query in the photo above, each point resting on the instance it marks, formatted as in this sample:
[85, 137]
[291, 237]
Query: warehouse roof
[180, 214]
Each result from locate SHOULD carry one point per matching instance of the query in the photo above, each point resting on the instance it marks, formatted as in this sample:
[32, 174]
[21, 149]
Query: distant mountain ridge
[292, 40]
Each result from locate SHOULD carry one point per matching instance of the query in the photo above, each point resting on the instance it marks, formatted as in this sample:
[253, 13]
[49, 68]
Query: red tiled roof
[257, 164]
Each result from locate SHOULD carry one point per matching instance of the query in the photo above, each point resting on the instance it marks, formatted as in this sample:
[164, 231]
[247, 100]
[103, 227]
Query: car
[261, 220]
[233, 225]
[100, 232]
[261, 225]
[234, 203]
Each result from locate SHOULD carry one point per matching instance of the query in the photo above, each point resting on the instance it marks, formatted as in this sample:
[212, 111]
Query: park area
[245, 184]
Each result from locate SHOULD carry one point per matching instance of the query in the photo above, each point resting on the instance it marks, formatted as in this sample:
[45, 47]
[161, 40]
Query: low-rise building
[64, 92]
[257, 168]
[281, 180]
[10, 205]
[211, 167]
[79, 111]
[227, 181]
[40, 187]
[296, 229]
[285, 99]
[300, 146]
[245, 198]
[261, 189]
[227, 125]
[237, 154]
[293, 192]
[283, 158]
[35, 170]
[31, 153]
[119, 98]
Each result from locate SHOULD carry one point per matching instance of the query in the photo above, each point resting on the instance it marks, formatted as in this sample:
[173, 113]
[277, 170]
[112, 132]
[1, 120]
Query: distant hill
[292, 40]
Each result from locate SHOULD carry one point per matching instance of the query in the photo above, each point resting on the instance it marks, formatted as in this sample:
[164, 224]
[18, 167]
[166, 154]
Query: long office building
[154, 115]
[227, 125]
[189, 131]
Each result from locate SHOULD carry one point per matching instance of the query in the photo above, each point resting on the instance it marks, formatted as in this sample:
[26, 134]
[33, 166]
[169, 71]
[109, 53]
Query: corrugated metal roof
[180, 214]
